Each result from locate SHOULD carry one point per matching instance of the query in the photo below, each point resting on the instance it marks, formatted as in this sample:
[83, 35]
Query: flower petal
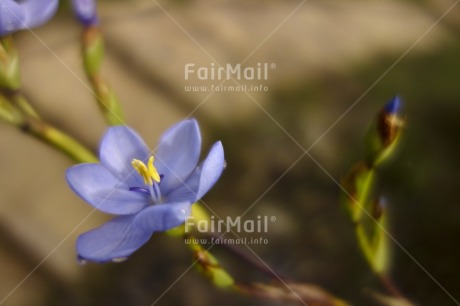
[178, 153]
[11, 17]
[203, 178]
[162, 217]
[100, 188]
[119, 146]
[86, 11]
[37, 12]
[116, 239]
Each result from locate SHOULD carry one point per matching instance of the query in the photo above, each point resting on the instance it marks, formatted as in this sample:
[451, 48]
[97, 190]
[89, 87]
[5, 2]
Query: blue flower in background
[25, 14]
[86, 11]
[149, 193]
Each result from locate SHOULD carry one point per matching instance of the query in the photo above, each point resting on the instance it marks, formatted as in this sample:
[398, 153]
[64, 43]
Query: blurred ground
[328, 55]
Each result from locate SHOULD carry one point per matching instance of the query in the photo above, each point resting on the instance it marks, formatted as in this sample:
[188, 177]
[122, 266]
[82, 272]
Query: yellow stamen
[149, 174]
[153, 171]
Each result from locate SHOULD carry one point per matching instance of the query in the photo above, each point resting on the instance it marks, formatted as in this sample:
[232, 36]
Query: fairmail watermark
[227, 241]
[226, 88]
[213, 78]
[213, 72]
[260, 224]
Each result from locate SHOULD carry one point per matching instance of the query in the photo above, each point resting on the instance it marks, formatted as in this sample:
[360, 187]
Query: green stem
[209, 266]
[9, 64]
[9, 112]
[25, 106]
[364, 245]
[59, 140]
[93, 55]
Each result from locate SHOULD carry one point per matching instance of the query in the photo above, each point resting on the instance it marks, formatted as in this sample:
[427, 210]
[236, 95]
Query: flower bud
[384, 132]
[86, 11]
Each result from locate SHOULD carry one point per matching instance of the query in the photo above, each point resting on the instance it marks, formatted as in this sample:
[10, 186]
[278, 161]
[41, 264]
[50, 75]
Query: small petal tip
[393, 107]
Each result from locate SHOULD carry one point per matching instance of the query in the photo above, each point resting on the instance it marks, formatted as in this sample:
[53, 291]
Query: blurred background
[332, 58]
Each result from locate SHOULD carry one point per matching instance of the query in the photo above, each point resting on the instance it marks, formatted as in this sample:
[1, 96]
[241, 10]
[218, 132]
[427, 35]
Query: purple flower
[25, 14]
[86, 11]
[149, 193]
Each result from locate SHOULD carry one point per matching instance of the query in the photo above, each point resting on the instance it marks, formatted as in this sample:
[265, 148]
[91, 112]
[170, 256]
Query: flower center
[151, 178]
